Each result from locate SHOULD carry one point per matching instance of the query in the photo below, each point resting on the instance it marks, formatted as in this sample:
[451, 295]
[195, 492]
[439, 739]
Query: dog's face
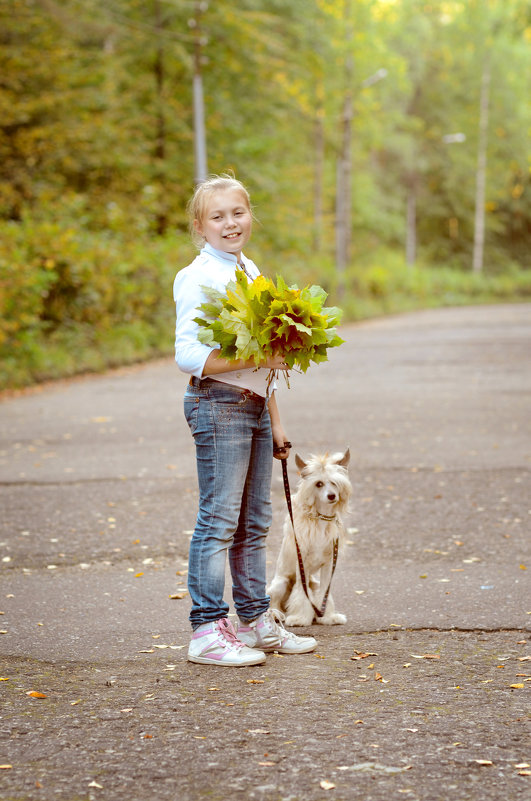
[325, 487]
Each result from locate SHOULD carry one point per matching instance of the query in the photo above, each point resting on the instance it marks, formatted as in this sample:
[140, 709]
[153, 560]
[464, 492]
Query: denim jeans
[234, 452]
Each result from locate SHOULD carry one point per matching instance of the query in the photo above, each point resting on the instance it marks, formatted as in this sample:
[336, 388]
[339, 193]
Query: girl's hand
[276, 362]
[281, 446]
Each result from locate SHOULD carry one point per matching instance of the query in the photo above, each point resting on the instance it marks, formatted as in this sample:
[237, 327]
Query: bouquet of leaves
[254, 320]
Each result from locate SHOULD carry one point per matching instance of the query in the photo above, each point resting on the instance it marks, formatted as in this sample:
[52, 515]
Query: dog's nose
[331, 496]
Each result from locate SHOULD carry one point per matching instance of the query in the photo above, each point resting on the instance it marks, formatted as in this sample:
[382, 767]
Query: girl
[235, 426]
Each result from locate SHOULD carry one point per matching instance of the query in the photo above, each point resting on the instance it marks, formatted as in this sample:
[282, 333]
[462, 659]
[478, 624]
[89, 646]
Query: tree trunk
[160, 146]
[481, 173]
[319, 146]
[344, 165]
[200, 150]
[411, 223]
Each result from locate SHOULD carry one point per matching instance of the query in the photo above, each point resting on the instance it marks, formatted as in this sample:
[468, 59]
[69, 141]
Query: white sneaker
[217, 644]
[267, 633]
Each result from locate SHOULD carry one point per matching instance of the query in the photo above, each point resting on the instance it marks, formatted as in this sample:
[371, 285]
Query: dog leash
[319, 612]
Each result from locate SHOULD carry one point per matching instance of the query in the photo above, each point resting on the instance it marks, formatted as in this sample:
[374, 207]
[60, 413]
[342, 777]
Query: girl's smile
[227, 221]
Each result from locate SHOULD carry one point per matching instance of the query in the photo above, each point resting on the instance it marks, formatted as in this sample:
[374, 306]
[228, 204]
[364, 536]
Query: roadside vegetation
[384, 145]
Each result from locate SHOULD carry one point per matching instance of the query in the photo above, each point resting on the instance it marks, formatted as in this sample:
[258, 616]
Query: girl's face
[227, 221]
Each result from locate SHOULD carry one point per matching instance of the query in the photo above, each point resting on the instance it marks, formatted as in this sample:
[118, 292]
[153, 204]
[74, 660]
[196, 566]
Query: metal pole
[200, 151]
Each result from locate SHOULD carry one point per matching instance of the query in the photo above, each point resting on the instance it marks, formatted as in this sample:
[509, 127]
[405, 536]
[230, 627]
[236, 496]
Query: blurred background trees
[384, 142]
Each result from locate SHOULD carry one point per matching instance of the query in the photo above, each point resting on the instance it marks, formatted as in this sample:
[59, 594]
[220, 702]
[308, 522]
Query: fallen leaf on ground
[484, 762]
[267, 764]
[4, 678]
[147, 651]
[361, 655]
[95, 784]
[6, 767]
[517, 686]
[326, 785]
[35, 694]
[258, 731]
[178, 596]
[522, 765]
[255, 681]
[75, 703]
[425, 656]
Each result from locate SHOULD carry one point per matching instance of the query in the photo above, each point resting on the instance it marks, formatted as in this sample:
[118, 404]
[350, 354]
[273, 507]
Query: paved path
[97, 484]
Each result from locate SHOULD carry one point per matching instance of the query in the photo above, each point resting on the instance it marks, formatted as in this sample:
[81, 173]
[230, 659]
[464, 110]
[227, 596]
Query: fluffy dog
[321, 500]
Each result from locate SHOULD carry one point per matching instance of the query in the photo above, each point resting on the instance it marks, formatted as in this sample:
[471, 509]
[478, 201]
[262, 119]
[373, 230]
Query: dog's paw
[337, 619]
[297, 620]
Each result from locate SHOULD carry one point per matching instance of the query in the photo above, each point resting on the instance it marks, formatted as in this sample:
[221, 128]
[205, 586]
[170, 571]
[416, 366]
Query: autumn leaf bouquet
[256, 320]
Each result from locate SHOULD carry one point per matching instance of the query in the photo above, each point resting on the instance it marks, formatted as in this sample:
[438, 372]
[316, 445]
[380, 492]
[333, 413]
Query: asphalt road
[98, 493]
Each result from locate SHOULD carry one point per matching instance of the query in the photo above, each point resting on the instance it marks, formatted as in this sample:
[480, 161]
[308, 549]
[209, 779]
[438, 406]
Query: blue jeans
[234, 452]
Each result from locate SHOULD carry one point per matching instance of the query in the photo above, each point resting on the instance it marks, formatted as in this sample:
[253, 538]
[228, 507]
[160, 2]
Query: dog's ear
[345, 459]
[299, 462]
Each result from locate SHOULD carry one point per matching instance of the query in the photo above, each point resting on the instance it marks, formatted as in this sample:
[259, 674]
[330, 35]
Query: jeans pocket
[191, 412]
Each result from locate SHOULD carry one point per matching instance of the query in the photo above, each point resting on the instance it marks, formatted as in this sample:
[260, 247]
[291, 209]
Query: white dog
[321, 499]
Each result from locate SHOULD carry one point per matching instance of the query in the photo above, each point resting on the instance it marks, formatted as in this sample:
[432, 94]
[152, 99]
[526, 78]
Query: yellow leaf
[326, 785]
[524, 772]
[4, 678]
[483, 762]
[35, 694]
[74, 703]
[267, 764]
[523, 567]
[517, 686]
[255, 681]
[6, 767]
[425, 656]
[137, 575]
[177, 596]
[522, 765]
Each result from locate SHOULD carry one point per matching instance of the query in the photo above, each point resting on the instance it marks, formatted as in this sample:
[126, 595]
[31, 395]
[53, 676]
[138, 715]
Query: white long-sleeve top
[213, 268]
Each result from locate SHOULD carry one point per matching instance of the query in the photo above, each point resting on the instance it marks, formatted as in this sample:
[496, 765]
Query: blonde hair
[197, 204]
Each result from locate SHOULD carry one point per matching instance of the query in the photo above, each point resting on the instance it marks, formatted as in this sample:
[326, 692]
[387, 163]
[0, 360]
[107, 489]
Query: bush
[74, 300]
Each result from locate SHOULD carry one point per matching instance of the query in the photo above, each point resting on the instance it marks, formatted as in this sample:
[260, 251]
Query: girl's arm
[279, 437]
[216, 364]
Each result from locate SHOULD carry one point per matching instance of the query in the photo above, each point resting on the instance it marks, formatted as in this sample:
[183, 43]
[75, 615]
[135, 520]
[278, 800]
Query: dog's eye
[319, 484]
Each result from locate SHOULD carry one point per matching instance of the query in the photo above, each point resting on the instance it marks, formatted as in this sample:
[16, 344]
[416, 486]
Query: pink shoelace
[227, 631]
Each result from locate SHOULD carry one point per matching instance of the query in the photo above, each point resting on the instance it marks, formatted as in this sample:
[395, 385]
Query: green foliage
[74, 300]
[97, 157]
[258, 319]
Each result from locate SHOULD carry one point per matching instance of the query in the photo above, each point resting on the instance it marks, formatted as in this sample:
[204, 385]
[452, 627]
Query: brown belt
[196, 382]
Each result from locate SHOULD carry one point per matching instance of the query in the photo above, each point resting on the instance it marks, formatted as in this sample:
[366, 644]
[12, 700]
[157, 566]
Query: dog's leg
[331, 617]
[278, 591]
[299, 610]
